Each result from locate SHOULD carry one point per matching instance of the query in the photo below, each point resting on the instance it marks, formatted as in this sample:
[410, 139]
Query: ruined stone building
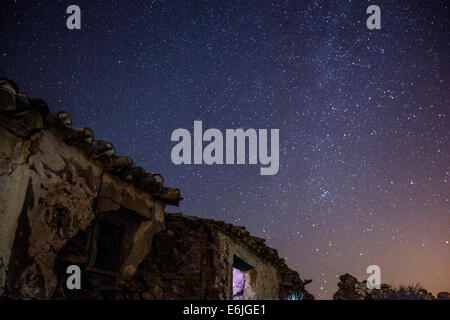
[67, 199]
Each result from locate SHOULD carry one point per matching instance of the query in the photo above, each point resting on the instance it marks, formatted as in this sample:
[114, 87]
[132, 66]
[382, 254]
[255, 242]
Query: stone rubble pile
[351, 289]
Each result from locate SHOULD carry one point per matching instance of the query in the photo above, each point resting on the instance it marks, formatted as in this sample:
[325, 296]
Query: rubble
[351, 289]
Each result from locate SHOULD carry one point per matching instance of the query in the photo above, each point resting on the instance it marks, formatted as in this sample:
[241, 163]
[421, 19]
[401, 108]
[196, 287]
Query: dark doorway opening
[106, 250]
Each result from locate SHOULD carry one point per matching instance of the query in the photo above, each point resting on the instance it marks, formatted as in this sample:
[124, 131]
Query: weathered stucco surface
[61, 187]
[14, 177]
[267, 276]
[49, 192]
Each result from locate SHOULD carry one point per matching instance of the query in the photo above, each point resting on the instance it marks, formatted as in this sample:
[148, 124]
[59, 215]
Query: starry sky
[363, 116]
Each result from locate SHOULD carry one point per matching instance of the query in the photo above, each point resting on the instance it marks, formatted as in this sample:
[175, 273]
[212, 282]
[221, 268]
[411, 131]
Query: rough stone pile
[351, 289]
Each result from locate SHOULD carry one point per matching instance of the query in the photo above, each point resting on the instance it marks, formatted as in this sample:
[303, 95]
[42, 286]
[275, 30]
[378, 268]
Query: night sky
[363, 116]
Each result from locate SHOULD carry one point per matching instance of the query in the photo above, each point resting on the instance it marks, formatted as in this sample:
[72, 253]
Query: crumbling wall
[14, 179]
[193, 259]
[267, 275]
[180, 264]
[50, 191]
[352, 289]
[59, 195]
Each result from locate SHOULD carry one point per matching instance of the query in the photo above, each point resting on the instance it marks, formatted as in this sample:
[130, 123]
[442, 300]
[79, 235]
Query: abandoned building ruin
[67, 199]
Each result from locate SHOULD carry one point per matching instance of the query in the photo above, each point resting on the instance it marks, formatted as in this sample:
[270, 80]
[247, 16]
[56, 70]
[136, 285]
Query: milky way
[363, 116]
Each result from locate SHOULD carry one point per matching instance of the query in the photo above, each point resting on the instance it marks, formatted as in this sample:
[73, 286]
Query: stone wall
[192, 258]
